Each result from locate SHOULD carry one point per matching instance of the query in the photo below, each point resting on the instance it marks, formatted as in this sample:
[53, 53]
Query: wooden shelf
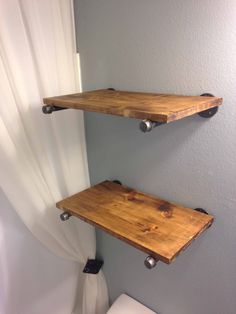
[155, 107]
[157, 227]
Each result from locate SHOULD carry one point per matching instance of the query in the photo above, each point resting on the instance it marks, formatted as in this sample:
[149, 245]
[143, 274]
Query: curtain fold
[43, 157]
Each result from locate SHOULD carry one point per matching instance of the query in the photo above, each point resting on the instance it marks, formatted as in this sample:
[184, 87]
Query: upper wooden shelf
[155, 107]
[157, 227]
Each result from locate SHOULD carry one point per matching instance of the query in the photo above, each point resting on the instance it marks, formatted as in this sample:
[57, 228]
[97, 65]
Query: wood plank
[148, 223]
[156, 107]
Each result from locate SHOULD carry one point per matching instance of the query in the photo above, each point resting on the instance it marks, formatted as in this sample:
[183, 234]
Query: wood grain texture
[155, 226]
[155, 107]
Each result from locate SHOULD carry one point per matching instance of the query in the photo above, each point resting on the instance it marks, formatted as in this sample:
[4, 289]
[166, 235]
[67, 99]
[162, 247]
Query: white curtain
[43, 157]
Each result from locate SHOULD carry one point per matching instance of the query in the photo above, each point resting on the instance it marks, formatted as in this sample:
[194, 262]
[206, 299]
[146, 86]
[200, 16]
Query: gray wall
[186, 47]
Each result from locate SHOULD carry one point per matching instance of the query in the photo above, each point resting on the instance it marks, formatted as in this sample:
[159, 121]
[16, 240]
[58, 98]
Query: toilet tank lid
[127, 305]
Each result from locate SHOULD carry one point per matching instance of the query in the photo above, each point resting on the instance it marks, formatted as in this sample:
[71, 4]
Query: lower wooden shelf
[155, 226]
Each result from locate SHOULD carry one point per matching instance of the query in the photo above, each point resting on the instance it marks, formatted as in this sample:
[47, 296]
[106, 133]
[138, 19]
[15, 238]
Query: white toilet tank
[126, 305]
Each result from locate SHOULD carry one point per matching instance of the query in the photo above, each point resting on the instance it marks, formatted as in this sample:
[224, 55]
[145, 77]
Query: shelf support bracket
[47, 109]
[65, 216]
[201, 210]
[150, 262]
[209, 112]
[117, 182]
[147, 125]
